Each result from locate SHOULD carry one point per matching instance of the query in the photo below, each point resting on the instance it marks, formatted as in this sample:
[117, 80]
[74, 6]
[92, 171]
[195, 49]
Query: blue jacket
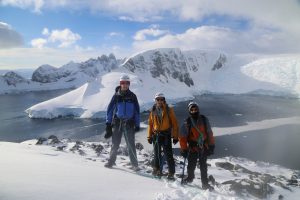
[124, 107]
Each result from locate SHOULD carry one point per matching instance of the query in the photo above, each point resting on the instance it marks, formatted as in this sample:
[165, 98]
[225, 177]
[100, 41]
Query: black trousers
[162, 141]
[126, 128]
[193, 157]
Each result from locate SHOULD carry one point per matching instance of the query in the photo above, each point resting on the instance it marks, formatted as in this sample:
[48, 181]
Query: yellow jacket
[155, 125]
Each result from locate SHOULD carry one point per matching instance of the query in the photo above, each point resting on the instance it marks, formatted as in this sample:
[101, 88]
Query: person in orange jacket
[196, 142]
[162, 127]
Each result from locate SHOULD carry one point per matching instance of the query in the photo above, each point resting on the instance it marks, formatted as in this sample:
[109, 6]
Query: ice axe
[184, 162]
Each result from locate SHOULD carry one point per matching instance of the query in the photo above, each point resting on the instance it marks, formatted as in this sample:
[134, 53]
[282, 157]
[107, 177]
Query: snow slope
[68, 170]
[180, 75]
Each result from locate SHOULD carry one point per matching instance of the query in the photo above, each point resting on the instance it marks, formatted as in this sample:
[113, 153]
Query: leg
[157, 153]
[203, 168]
[168, 151]
[192, 162]
[130, 142]
[116, 140]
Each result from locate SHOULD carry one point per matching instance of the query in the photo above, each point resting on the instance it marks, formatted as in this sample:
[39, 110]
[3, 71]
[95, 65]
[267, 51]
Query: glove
[193, 143]
[108, 129]
[137, 129]
[184, 153]
[175, 141]
[211, 149]
[150, 140]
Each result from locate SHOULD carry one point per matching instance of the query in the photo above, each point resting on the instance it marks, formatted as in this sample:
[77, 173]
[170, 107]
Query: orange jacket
[193, 135]
[155, 125]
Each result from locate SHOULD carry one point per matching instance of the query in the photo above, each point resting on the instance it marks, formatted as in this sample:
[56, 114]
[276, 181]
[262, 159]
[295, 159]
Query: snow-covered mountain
[180, 75]
[26, 73]
[71, 75]
[12, 78]
[59, 169]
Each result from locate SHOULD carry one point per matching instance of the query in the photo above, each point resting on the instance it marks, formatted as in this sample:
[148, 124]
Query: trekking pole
[159, 152]
[184, 162]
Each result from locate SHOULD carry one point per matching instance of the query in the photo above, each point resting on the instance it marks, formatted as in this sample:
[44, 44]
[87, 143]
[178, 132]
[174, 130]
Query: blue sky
[36, 32]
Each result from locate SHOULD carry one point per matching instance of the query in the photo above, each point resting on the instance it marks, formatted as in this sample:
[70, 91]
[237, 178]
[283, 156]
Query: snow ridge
[232, 178]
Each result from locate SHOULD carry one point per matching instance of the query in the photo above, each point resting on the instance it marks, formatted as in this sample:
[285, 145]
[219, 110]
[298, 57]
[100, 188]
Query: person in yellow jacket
[196, 143]
[162, 128]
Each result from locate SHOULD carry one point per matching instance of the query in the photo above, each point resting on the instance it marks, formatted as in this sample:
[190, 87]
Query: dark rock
[98, 148]
[139, 146]
[41, 140]
[231, 167]
[163, 65]
[61, 148]
[48, 74]
[225, 165]
[53, 140]
[220, 62]
[81, 152]
[257, 189]
[280, 197]
[76, 147]
[293, 182]
[80, 143]
[12, 78]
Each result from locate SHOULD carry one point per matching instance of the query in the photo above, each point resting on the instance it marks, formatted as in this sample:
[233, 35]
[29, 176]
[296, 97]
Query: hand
[211, 149]
[175, 141]
[150, 140]
[108, 129]
[193, 144]
[184, 153]
[137, 129]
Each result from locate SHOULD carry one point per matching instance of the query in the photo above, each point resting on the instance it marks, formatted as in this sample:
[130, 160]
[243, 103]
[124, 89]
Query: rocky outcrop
[72, 71]
[12, 78]
[161, 64]
[220, 62]
[48, 74]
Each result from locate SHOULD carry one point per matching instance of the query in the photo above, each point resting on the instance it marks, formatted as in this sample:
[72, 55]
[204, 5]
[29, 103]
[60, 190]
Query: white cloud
[34, 57]
[283, 15]
[9, 38]
[153, 31]
[45, 31]
[116, 34]
[36, 5]
[38, 43]
[225, 39]
[65, 38]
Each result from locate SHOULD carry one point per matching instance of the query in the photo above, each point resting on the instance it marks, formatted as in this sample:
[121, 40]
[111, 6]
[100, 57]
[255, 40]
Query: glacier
[180, 75]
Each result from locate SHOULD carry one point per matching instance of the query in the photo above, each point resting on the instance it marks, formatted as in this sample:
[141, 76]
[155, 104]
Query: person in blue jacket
[123, 117]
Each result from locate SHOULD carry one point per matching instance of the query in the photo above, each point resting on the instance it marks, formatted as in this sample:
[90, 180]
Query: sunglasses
[124, 83]
[194, 110]
[160, 99]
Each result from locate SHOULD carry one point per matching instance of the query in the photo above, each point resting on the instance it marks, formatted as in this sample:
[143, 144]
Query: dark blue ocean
[278, 145]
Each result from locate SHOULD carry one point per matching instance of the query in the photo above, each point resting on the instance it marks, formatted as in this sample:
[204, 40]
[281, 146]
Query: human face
[124, 85]
[194, 110]
[159, 101]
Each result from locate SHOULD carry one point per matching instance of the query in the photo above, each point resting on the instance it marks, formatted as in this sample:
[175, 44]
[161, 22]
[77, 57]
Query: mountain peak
[163, 64]
[12, 78]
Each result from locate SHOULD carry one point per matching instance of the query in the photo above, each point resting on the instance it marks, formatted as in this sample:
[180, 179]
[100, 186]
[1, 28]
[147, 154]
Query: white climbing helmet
[124, 78]
[159, 95]
[192, 104]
